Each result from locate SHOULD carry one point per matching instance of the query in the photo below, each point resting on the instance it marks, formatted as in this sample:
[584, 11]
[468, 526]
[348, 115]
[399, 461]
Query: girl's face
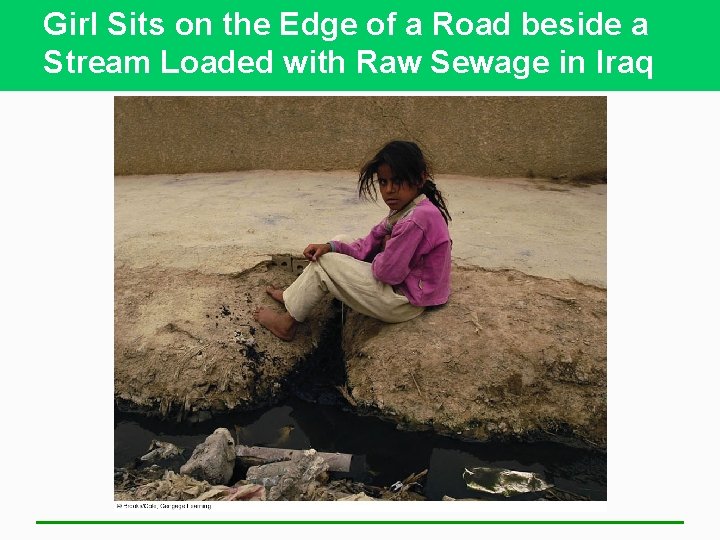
[396, 195]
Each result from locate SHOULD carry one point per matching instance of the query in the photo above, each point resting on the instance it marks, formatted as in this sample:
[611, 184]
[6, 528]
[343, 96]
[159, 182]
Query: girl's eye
[384, 182]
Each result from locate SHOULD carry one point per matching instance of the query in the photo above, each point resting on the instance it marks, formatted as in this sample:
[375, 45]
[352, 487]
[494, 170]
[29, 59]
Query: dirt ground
[515, 353]
[510, 356]
[228, 222]
[186, 343]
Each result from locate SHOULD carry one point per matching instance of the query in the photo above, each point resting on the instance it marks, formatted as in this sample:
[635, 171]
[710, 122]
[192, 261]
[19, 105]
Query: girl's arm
[314, 251]
[392, 266]
[363, 249]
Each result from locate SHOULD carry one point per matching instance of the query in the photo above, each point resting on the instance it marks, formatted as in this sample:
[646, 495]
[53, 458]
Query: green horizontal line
[367, 522]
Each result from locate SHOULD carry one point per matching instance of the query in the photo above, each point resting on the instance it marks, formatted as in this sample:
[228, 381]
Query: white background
[57, 338]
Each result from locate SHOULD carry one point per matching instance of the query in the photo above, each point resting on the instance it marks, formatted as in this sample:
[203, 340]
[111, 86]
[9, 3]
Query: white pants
[350, 281]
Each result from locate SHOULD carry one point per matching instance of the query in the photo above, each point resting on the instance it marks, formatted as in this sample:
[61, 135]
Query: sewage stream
[383, 454]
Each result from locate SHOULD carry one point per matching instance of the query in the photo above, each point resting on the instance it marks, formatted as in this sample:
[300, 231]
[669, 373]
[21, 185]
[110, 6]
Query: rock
[267, 475]
[483, 368]
[212, 460]
[302, 480]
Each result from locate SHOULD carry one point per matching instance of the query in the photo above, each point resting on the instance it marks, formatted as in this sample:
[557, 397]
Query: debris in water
[161, 450]
[401, 488]
[179, 487]
[503, 481]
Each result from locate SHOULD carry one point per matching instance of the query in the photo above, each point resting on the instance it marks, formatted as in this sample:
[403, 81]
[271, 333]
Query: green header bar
[374, 45]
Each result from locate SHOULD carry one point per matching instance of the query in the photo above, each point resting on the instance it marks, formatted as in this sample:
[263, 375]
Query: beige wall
[484, 136]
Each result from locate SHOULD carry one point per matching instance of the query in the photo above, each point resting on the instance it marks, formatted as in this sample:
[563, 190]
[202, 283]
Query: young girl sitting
[393, 273]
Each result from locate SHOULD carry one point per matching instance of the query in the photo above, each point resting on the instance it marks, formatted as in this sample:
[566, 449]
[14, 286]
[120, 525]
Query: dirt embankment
[510, 356]
[186, 344]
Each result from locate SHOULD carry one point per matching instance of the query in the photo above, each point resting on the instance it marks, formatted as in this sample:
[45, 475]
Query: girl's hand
[314, 251]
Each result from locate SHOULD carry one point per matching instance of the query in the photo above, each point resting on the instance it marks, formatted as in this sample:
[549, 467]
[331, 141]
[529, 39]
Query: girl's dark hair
[408, 165]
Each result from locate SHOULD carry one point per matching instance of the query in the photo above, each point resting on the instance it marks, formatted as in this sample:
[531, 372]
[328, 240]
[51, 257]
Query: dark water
[385, 455]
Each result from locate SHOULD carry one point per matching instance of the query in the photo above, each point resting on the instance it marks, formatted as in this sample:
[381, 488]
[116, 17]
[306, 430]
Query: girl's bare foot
[280, 324]
[275, 293]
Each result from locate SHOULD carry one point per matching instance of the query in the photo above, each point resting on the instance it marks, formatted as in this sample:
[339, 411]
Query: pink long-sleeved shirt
[416, 258]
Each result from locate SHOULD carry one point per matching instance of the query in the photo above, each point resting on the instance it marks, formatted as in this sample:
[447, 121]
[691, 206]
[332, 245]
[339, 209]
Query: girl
[393, 273]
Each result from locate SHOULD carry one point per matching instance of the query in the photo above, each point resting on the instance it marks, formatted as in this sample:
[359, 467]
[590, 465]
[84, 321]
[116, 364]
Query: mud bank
[186, 344]
[511, 356]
